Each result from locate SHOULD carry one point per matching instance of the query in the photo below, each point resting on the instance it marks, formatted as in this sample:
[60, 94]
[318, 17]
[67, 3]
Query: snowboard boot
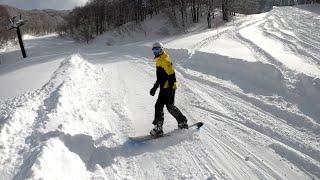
[156, 131]
[183, 125]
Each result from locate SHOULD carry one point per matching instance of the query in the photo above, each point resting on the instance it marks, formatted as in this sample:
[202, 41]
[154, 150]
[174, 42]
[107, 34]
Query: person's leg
[158, 115]
[173, 110]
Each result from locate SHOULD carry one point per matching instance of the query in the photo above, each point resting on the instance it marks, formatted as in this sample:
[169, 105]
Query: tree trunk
[225, 10]
[209, 19]
[198, 12]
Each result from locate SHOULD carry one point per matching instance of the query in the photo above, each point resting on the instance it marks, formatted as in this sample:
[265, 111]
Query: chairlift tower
[15, 24]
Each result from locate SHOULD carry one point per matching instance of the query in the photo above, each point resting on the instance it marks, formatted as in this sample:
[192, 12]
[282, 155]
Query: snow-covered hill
[39, 22]
[67, 111]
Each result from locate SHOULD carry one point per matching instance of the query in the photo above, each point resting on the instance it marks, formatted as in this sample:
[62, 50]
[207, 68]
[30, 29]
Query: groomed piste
[66, 111]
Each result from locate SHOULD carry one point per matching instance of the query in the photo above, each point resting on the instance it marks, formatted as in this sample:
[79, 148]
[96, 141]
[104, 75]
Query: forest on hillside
[38, 22]
[98, 16]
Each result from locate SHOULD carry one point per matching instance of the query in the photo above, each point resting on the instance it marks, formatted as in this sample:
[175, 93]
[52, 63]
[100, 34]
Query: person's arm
[155, 86]
[157, 83]
[171, 74]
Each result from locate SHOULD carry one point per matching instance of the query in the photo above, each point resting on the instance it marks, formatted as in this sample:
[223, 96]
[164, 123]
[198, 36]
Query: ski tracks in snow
[226, 139]
[250, 126]
[76, 126]
[282, 127]
[85, 113]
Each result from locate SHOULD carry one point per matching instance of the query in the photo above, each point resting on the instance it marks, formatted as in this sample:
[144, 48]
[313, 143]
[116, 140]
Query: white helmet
[157, 49]
[157, 45]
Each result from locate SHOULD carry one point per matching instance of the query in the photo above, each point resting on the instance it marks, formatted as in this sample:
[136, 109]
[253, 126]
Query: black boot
[156, 131]
[183, 125]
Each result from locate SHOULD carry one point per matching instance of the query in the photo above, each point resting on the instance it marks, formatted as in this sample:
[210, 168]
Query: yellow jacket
[166, 77]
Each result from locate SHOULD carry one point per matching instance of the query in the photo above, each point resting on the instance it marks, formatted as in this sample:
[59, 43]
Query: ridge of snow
[43, 113]
[261, 117]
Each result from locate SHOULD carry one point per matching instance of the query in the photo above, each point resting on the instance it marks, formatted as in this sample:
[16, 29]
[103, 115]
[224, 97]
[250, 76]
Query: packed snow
[67, 110]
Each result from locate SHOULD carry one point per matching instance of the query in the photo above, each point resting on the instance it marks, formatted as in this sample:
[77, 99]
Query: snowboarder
[166, 79]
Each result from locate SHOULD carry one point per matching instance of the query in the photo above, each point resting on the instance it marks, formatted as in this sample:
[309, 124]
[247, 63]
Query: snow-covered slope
[254, 82]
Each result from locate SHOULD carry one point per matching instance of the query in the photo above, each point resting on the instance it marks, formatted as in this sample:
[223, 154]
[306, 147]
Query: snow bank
[308, 92]
[57, 162]
[228, 46]
[14, 45]
[306, 164]
[62, 106]
[258, 78]
[7, 47]
[255, 77]
[72, 100]
[273, 39]
[30, 37]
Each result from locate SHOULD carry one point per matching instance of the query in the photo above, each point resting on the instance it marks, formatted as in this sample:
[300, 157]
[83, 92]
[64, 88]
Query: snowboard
[197, 125]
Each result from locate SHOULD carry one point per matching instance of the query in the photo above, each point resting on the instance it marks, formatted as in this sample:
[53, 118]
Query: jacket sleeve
[171, 73]
[157, 83]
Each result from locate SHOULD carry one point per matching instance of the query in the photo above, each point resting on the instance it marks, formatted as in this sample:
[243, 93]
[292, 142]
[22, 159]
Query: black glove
[153, 91]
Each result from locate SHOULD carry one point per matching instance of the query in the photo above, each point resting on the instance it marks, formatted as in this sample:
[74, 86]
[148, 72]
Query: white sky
[44, 4]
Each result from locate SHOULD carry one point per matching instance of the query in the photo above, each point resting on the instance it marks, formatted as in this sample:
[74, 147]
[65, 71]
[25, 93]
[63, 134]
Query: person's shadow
[84, 146]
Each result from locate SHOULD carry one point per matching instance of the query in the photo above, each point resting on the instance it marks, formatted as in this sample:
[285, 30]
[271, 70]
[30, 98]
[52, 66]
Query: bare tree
[102, 15]
[210, 12]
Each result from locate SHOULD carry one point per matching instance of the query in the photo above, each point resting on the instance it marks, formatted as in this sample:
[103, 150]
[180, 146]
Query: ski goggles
[156, 50]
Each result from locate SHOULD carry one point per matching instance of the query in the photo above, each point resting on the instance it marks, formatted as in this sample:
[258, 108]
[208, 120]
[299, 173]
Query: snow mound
[254, 77]
[28, 121]
[57, 162]
[257, 78]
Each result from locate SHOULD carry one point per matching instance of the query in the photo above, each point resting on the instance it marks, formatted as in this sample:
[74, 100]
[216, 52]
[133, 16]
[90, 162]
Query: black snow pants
[166, 97]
